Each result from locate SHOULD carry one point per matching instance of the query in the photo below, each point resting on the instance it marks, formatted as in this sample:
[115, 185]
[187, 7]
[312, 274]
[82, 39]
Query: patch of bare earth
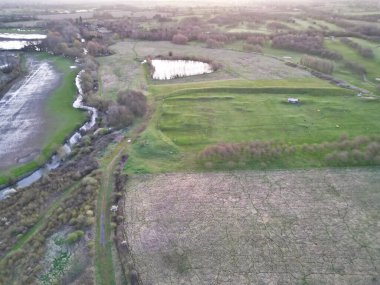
[280, 227]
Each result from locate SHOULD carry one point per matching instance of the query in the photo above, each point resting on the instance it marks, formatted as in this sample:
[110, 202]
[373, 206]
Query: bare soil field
[279, 227]
[22, 118]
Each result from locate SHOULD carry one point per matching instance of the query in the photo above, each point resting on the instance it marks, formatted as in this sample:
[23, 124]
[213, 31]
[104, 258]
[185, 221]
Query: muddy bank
[22, 121]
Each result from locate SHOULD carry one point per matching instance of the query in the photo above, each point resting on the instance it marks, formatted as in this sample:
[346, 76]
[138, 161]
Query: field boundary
[257, 90]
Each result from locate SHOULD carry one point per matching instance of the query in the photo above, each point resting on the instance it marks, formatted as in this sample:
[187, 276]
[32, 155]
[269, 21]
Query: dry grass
[122, 70]
[235, 64]
[282, 227]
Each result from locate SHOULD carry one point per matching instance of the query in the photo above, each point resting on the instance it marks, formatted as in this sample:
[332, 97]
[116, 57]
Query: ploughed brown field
[278, 227]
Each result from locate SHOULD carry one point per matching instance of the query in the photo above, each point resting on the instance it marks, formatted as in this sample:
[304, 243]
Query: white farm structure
[293, 100]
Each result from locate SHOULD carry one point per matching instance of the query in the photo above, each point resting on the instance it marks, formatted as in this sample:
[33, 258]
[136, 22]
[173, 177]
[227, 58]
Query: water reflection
[169, 69]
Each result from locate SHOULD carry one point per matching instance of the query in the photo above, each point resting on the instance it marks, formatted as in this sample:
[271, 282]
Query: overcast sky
[178, 2]
[152, 2]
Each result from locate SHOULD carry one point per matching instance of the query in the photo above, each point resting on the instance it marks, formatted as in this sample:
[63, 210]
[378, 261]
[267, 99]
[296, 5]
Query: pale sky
[181, 2]
[155, 2]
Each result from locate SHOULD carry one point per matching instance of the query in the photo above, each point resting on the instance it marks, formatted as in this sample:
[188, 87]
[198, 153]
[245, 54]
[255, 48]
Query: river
[54, 162]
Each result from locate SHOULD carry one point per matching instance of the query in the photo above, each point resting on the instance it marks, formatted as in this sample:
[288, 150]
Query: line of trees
[361, 150]
[64, 38]
[355, 68]
[311, 43]
[318, 64]
[188, 29]
[364, 52]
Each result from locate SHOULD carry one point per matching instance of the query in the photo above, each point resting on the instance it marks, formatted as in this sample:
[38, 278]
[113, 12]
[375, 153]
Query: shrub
[134, 100]
[356, 68]
[256, 40]
[318, 64]
[73, 237]
[180, 39]
[130, 105]
[211, 43]
[342, 152]
[252, 48]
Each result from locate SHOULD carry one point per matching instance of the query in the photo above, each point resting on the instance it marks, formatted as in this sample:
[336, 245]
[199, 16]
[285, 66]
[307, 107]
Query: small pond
[168, 69]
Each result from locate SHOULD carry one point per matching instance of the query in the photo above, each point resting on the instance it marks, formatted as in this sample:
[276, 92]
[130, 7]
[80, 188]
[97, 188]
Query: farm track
[105, 273]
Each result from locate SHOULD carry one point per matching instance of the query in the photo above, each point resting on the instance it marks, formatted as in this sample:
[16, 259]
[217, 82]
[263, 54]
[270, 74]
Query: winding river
[55, 161]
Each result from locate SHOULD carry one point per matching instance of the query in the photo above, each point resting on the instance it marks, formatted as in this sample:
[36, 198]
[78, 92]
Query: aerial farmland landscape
[190, 142]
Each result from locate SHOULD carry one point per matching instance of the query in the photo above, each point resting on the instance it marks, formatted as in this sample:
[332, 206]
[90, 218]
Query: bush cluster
[180, 39]
[318, 64]
[311, 43]
[257, 150]
[72, 211]
[361, 150]
[355, 68]
[130, 105]
[76, 210]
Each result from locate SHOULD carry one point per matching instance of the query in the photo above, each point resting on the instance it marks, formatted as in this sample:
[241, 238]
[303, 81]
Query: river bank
[59, 116]
[56, 159]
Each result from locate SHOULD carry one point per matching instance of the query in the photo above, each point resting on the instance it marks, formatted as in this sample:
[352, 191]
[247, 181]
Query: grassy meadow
[190, 117]
[63, 118]
[195, 119]
[244, 102]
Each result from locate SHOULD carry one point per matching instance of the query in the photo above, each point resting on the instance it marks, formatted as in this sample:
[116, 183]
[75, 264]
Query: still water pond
[169, 69]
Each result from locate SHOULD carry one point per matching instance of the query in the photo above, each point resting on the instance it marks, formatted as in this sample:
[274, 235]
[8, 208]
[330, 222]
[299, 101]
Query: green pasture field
[193, 119]
[234, 105]
[189, 117]
[63, 118]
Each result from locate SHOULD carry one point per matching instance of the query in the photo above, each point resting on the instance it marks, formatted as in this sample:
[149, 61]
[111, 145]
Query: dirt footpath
[279, 227]
[22, 121]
